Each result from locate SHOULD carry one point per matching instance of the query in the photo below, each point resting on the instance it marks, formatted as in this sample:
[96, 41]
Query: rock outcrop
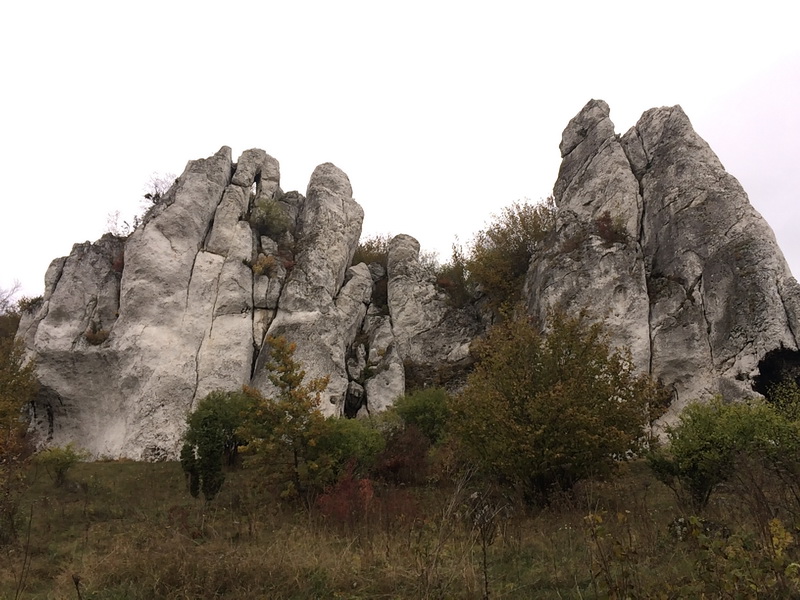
[132, 332]
[652, 236]
[658, 240]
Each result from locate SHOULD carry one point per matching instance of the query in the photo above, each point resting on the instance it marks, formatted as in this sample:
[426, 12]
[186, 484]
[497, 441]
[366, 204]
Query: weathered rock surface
[688, 276]
[133, 332]
[594, 260]
[652, 236]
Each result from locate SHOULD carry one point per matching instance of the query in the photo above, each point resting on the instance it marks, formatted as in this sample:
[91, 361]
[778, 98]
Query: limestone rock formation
[652, 236]
[133, 332]
[656, 238]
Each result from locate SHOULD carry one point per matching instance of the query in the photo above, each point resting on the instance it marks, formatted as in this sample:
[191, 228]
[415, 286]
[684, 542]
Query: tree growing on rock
[542, 412]
[497, 259]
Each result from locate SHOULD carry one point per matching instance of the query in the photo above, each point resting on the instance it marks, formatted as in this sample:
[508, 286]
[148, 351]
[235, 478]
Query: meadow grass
[126, 530]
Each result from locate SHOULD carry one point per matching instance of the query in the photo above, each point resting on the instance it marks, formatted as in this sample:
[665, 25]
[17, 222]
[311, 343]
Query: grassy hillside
[130, 530]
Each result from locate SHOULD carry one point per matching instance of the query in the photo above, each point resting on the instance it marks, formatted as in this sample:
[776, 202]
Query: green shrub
[58, 461]
[498, 258]
[541, 413]
[710, 440]
[30, 305]
[785, 397]
[269, 218]
[426, 409]
[373, 249]
[212, 438]
[452, 278]
[340, 442]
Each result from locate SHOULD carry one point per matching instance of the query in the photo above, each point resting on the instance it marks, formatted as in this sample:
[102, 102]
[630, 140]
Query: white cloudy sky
[441, 113]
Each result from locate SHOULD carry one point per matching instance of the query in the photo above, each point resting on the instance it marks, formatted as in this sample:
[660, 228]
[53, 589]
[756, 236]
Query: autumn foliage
[542, 412]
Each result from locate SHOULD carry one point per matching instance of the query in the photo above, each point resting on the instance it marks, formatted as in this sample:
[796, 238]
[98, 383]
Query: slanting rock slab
[655, 238]
[594, 260]
[723, 295]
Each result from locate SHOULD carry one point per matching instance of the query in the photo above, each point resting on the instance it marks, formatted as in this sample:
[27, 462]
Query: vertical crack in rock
[698, 284]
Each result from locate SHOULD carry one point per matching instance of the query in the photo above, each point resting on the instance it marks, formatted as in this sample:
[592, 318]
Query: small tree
[18, 386]
[212, 439]
[542, 412]
[58, 461]
[284, 429]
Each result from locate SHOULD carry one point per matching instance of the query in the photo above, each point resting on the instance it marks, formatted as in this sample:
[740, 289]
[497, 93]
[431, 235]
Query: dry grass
[130, 530]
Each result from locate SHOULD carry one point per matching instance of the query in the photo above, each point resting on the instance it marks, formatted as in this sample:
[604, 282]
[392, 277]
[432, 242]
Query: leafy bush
[611, 230]
[265, 265]
[426, 409]
[58, 461]
[212, 437]
[18, 386]
[373, 249]
[30, 305]
[709, 441]
[785, 397]
[349, 500]
[497, 259]
[544, 412]
[405, 458]
[346, 443]
[269, 218]
[452, 277]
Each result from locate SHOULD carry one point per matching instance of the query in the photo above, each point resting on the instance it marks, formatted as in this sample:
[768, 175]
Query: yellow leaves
[781, 539]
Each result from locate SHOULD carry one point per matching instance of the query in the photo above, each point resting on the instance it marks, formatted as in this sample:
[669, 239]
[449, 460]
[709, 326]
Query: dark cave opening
[776, 366]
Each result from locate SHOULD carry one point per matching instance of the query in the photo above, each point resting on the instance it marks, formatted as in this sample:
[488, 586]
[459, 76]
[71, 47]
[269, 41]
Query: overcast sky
[441, 113]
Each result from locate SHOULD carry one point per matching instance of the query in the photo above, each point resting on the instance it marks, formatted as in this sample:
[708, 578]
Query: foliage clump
[373, 249]
[269, 218]
[543, 412]
[611, 230]
[265, 265]
[494, 264]
[57, 461]
[18, 386]
[426, 409]
[711, 441]
[212, 439]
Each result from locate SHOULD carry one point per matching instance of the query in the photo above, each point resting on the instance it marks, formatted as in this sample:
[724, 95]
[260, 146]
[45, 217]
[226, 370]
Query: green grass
[131, 531]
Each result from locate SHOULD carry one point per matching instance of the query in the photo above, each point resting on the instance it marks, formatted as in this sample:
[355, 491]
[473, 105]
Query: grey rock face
[688, 276]
[317, 309]
[722, 294]
[594, 260]
[132, 333]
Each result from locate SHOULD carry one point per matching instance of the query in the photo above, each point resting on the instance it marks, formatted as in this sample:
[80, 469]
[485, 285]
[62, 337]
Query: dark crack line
[701, 292]
[786, 311]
